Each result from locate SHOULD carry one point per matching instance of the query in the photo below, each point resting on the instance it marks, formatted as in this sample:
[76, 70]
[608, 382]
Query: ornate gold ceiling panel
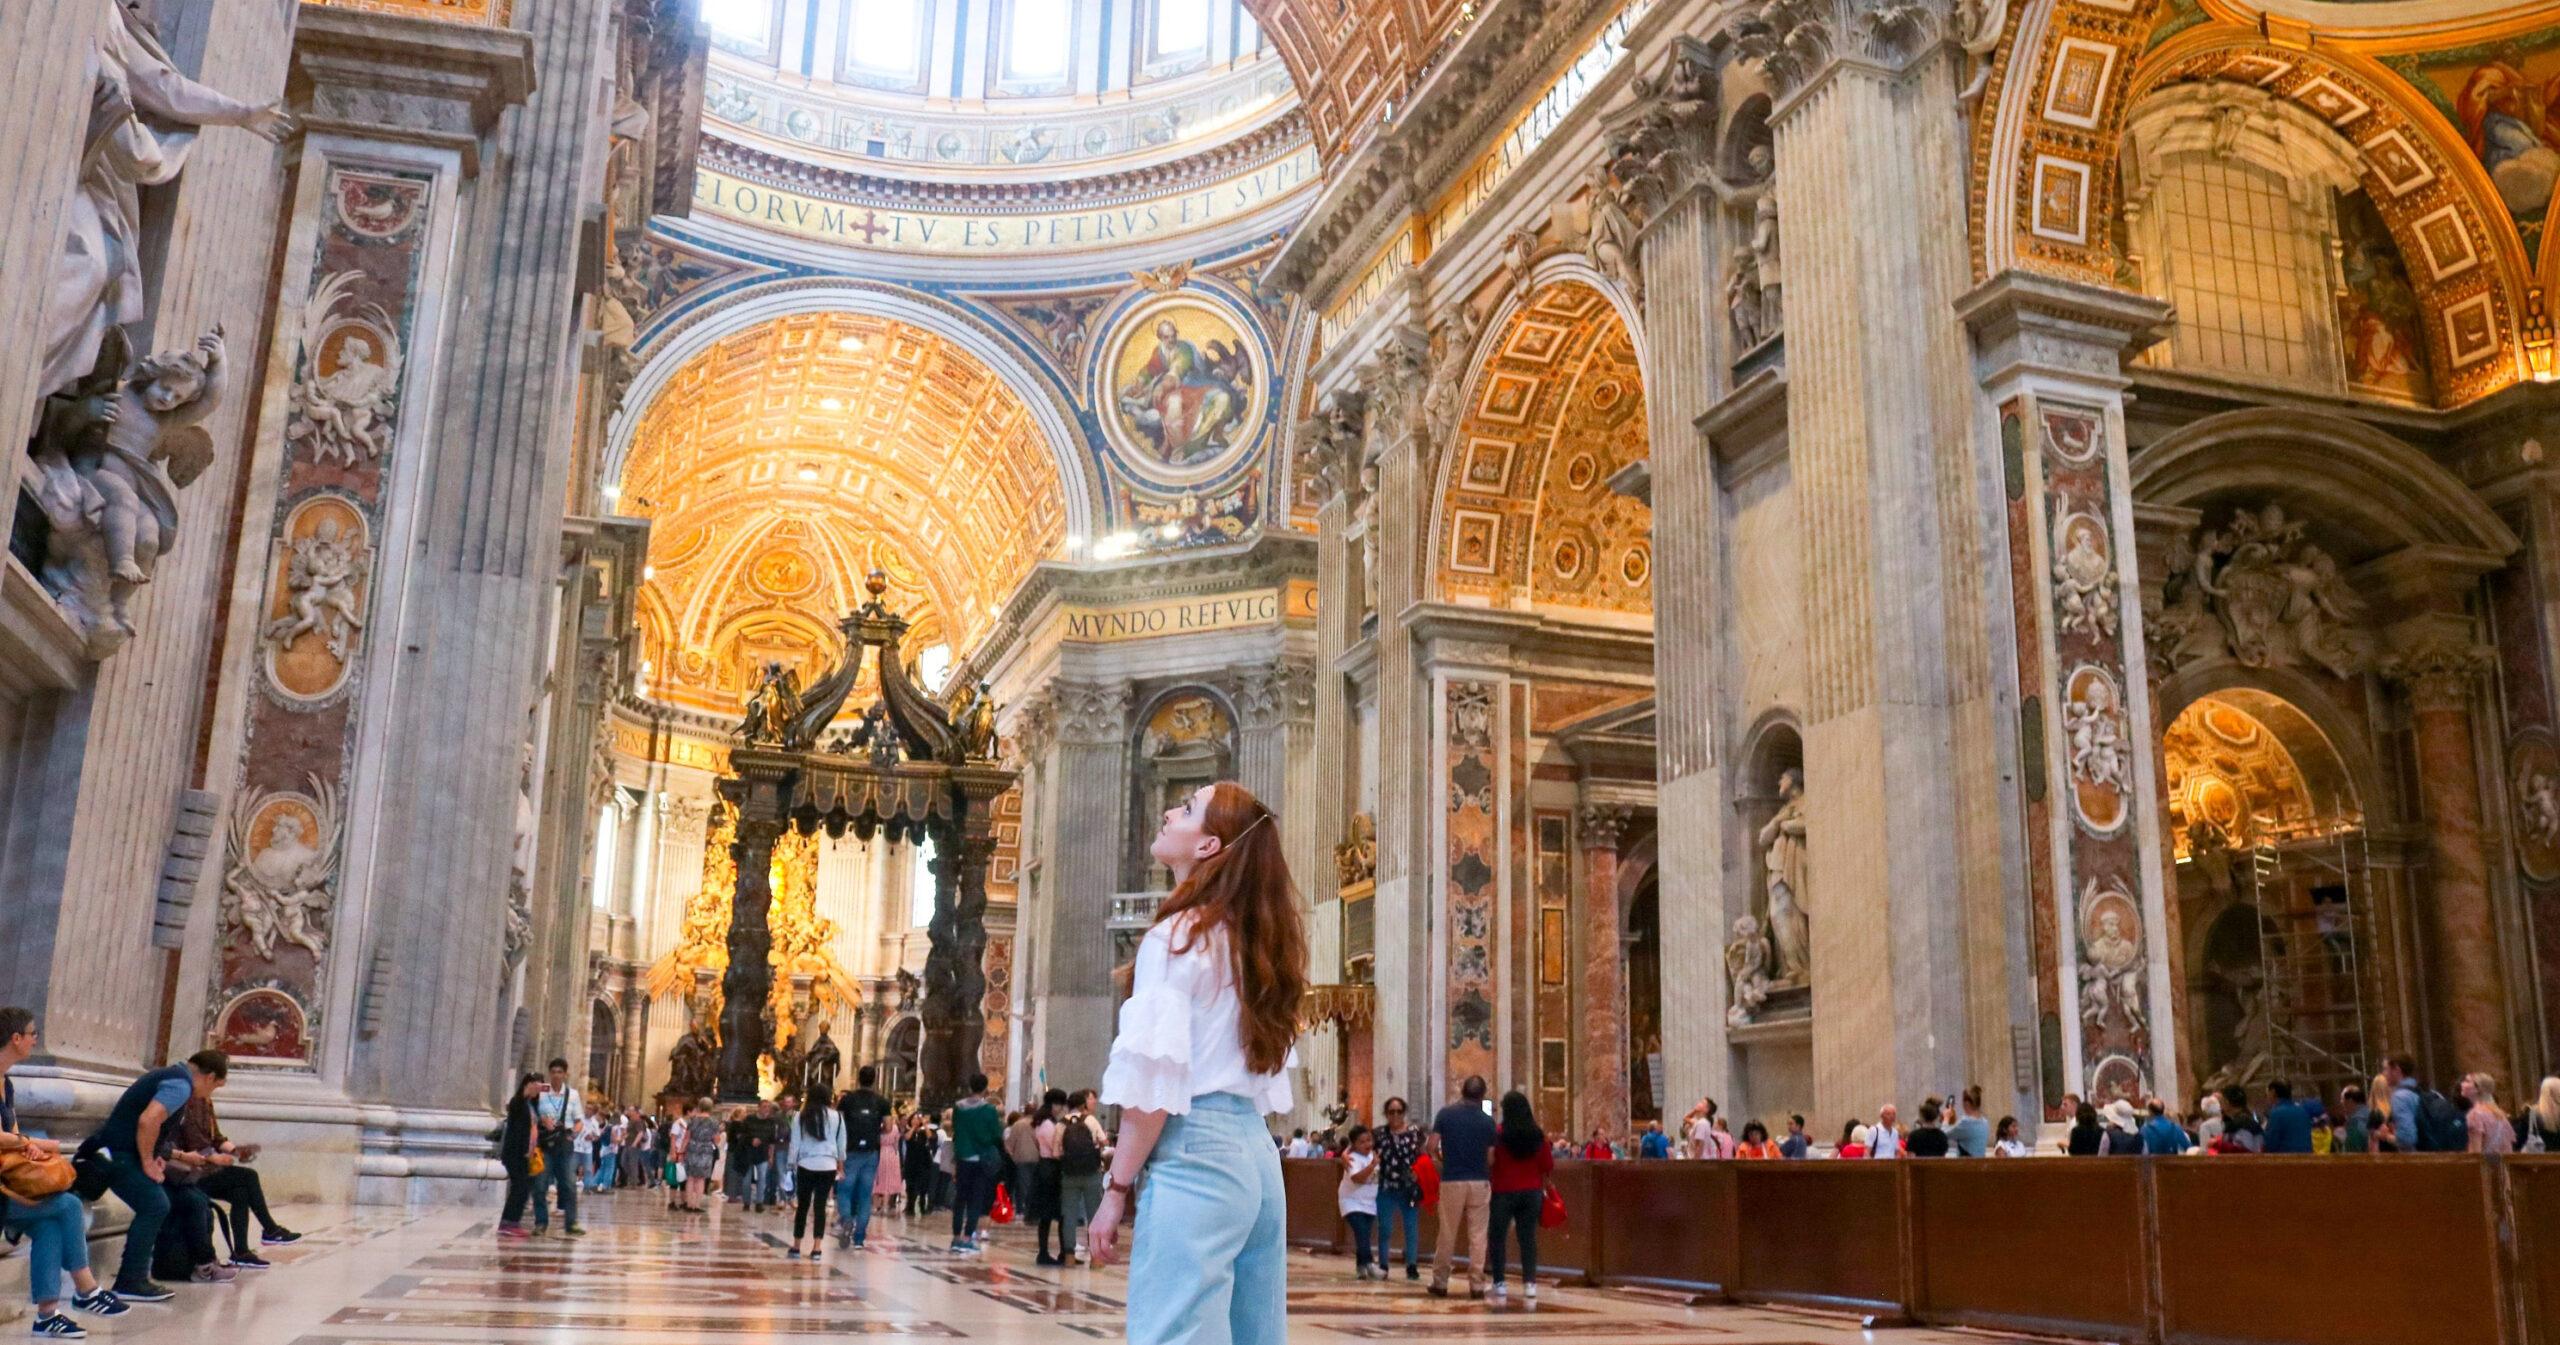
[1556, 409]
[789, 460]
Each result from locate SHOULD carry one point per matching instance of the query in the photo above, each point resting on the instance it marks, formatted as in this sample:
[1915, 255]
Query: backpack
[862, 1118]
[2441, 1128]
[1079, 1155]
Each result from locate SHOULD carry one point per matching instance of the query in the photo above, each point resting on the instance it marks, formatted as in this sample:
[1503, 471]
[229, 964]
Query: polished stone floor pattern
[646, 1276]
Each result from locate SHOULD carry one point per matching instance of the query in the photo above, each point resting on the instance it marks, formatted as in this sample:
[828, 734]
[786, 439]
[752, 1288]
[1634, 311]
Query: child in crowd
[1359, 1195]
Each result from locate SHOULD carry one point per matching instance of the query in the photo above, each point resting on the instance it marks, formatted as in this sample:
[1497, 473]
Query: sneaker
[54, 1325]
[513, 1232]
[250, 1261]
[279, 1237]
[1045, 1259]
[573, 1231]
[103, 1303]
[215, 1273]
[957, 1247]
[792, 1255]
[817, 1253]
[147, 1291]
[1412, 1272]
[1532, 1291]
[1501, 1290]
[1439, 1291]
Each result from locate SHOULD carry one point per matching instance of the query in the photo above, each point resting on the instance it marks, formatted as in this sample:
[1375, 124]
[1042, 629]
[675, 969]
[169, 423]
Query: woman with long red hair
[1203, 1055]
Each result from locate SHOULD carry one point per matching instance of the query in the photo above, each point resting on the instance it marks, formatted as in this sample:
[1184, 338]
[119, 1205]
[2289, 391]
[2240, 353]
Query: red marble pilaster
[2468, 990]
[1604, 977]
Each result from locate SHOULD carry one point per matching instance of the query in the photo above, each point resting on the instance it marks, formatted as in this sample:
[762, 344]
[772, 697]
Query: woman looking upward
[1203, 1054]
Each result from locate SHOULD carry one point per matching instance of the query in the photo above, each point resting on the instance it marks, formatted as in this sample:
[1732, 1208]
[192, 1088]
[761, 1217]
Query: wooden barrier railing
[2419, 1250]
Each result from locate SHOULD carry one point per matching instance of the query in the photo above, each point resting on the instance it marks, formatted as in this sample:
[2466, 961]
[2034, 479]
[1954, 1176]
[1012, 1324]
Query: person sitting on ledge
[228, 1178]
[55, 1226]
[123, 1153]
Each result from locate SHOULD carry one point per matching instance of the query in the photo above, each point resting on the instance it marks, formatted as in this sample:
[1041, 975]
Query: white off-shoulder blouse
[1181, 1033]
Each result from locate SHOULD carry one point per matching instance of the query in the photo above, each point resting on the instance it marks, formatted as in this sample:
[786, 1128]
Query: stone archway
[2273, 894]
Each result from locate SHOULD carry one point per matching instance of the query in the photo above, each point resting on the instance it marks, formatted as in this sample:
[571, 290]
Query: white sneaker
[1533, 1291]
[1501, 1290]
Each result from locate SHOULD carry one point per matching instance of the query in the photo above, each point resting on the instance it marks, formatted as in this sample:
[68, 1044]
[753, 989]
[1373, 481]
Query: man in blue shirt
[1797, 1144]
[1971, 1134]
[2288, 1125]
[2161, 1135]
[124, 1149]
[1462, 1140]
[1653, 1143]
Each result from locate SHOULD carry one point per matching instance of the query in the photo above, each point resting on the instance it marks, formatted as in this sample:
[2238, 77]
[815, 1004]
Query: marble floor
[645, 1276]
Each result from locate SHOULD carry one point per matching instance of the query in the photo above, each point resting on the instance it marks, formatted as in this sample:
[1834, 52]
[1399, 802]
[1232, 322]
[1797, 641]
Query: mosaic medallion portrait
[1185, 388]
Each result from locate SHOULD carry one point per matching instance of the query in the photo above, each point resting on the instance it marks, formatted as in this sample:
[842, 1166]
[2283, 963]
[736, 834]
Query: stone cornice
[1273, 558]
[2023, 322]
[1528, 639]
[1456, 110]
[1254, 149]
[389, 77]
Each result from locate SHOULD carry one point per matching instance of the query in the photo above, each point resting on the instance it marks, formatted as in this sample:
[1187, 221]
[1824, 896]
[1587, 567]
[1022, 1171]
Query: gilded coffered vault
[789, 460]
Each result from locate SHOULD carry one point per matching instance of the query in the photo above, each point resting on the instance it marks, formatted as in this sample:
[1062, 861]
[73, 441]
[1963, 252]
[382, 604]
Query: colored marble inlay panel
[745, 1324]
[2094, 754]
[482, 13]
[570, 1288]
[1473, 822]
[284, 854]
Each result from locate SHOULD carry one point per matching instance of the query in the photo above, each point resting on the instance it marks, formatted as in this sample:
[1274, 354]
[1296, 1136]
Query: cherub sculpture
[322, 576]
[110, 459]
[280, 890]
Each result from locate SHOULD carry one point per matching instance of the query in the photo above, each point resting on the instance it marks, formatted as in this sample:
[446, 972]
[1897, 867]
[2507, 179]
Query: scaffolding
[2315, 922]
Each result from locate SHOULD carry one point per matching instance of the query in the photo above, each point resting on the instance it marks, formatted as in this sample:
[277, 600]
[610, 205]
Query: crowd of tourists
[854, 1156]
[162, 1152]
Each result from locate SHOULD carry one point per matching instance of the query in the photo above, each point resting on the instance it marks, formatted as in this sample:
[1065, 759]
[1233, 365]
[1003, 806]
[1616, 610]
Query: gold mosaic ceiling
[783, 463]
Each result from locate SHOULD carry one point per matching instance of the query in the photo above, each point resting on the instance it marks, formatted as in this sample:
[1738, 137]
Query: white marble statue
[110, 458]
[2541, 807]
[322, 576]
[143, 121]
[2111, 969]
[1782, 840]
[1611, 241]
[1746, 965]
[519, 933]
[2084, 582]
[1442, 402]
[2096, 729]
[1742, 300]
[343, 413]
[1765, 261]
[279, 891]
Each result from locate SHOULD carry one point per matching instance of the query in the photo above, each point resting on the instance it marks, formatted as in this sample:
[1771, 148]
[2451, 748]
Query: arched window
[1173, 36]
[886, 43]
[1038, 46]
[746, 26]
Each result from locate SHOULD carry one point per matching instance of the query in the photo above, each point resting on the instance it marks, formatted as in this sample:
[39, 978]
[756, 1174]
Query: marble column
[2082, 825]
[1409, 1059]
[748, 982]
[1897, 720]
[467, 609]
[2441, 675]
[1088, 792]
[1686, 358]
[1603, 1001]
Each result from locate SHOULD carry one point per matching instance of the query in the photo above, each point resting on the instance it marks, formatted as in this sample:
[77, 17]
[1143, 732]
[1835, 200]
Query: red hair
[1245, 890]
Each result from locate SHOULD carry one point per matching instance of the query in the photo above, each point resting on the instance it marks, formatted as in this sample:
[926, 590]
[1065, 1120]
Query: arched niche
[1185, 737]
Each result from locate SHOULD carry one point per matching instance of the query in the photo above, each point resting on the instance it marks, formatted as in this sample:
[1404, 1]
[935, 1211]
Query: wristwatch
[1114, 1184]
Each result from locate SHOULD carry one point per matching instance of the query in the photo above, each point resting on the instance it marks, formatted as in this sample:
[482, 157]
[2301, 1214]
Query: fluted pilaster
[1088, 790]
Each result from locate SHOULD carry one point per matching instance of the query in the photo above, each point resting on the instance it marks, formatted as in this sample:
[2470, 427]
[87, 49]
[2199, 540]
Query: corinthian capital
[1393, 378]
[1329, 442]
[1794, 40]
[1092, 712]
[1275, 693]
[1603, 824]
[1034, 725]
[2439, 672]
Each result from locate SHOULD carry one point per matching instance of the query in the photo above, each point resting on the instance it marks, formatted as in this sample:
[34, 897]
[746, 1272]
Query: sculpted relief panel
[2254, 590]
[284, 885]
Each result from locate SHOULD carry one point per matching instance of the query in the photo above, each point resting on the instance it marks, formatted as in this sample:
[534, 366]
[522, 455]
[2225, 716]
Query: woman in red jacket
[1521, 1162]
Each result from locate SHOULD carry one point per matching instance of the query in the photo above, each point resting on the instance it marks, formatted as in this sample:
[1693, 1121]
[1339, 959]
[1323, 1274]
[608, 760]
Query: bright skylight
[886, 34]
[740, 23]
[1043, 35]
[1181, 26]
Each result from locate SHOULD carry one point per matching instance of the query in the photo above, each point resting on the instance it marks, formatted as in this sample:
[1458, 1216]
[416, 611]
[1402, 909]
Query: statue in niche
[1366, 516]
[1355, 861]
[1764, 259]
[111, 456]
[1746, 965]
[2111, 966]
[1782, 839]
[2258, 590]
[1742, 300]
[143, 120]
[322, 577]
[2084, 576]
[344, 403]
[821, 1065]
[690, 1068]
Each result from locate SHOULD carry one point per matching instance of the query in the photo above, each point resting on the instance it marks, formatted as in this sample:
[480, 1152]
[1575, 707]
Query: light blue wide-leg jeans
[1210, 1262]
